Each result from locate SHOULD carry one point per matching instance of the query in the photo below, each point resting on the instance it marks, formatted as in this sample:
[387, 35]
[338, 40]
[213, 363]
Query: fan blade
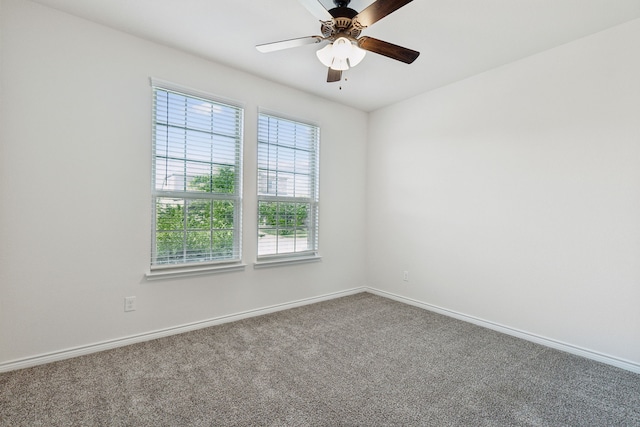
[286, 44]
[388, 49]
[317, 9]
[334, 75]
[378, 10]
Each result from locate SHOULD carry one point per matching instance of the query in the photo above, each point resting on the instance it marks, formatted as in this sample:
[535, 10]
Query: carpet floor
[360, 360]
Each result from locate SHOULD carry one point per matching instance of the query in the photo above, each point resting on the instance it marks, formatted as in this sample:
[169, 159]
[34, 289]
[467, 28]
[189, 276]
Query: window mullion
[184, 229]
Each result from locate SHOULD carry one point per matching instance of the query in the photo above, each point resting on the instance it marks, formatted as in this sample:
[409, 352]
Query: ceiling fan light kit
[341, 26]
[341, 54]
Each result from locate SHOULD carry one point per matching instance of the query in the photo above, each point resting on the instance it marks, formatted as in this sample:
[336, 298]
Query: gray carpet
[361, 360]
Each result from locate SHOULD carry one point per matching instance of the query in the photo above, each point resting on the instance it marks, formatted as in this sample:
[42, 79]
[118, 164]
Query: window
[287, 188]
[196, 179]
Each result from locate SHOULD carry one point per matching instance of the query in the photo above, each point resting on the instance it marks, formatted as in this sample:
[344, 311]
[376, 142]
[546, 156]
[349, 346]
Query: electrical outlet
[405, 276]
[130, 304]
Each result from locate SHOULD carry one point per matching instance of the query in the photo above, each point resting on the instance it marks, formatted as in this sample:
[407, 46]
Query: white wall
[514, 196]
[75, 188]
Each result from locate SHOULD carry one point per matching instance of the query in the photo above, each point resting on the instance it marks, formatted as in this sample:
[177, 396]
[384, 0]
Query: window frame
[209, 264]
[313, 199]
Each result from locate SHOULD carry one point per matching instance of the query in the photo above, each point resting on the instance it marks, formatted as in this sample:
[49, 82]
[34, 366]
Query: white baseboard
[120, 342]
[133, 339]
[558, 345]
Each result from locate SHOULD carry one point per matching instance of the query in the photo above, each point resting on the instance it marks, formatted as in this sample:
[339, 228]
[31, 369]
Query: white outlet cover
[130, 304]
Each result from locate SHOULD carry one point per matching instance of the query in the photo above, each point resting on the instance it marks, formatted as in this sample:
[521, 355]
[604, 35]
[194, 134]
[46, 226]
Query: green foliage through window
[285, 218]
[196, 228]
[222, 182]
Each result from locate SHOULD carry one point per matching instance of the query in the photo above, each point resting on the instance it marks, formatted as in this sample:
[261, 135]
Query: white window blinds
[287, 187]
[196, 179]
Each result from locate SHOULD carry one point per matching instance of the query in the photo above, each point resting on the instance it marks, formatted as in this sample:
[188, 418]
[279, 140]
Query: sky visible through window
[211, 141]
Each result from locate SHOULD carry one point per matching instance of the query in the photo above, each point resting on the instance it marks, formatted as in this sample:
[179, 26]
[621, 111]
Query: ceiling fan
[341, 26]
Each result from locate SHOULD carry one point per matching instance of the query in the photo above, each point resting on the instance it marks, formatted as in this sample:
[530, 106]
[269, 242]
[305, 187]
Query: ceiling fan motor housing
[342, 22]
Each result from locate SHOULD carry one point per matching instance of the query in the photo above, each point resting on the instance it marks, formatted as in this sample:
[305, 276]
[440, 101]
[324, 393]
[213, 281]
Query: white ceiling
[456, 38]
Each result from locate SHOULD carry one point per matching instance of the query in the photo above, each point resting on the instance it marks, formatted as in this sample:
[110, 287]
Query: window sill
[192, 271]
[286, 261]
